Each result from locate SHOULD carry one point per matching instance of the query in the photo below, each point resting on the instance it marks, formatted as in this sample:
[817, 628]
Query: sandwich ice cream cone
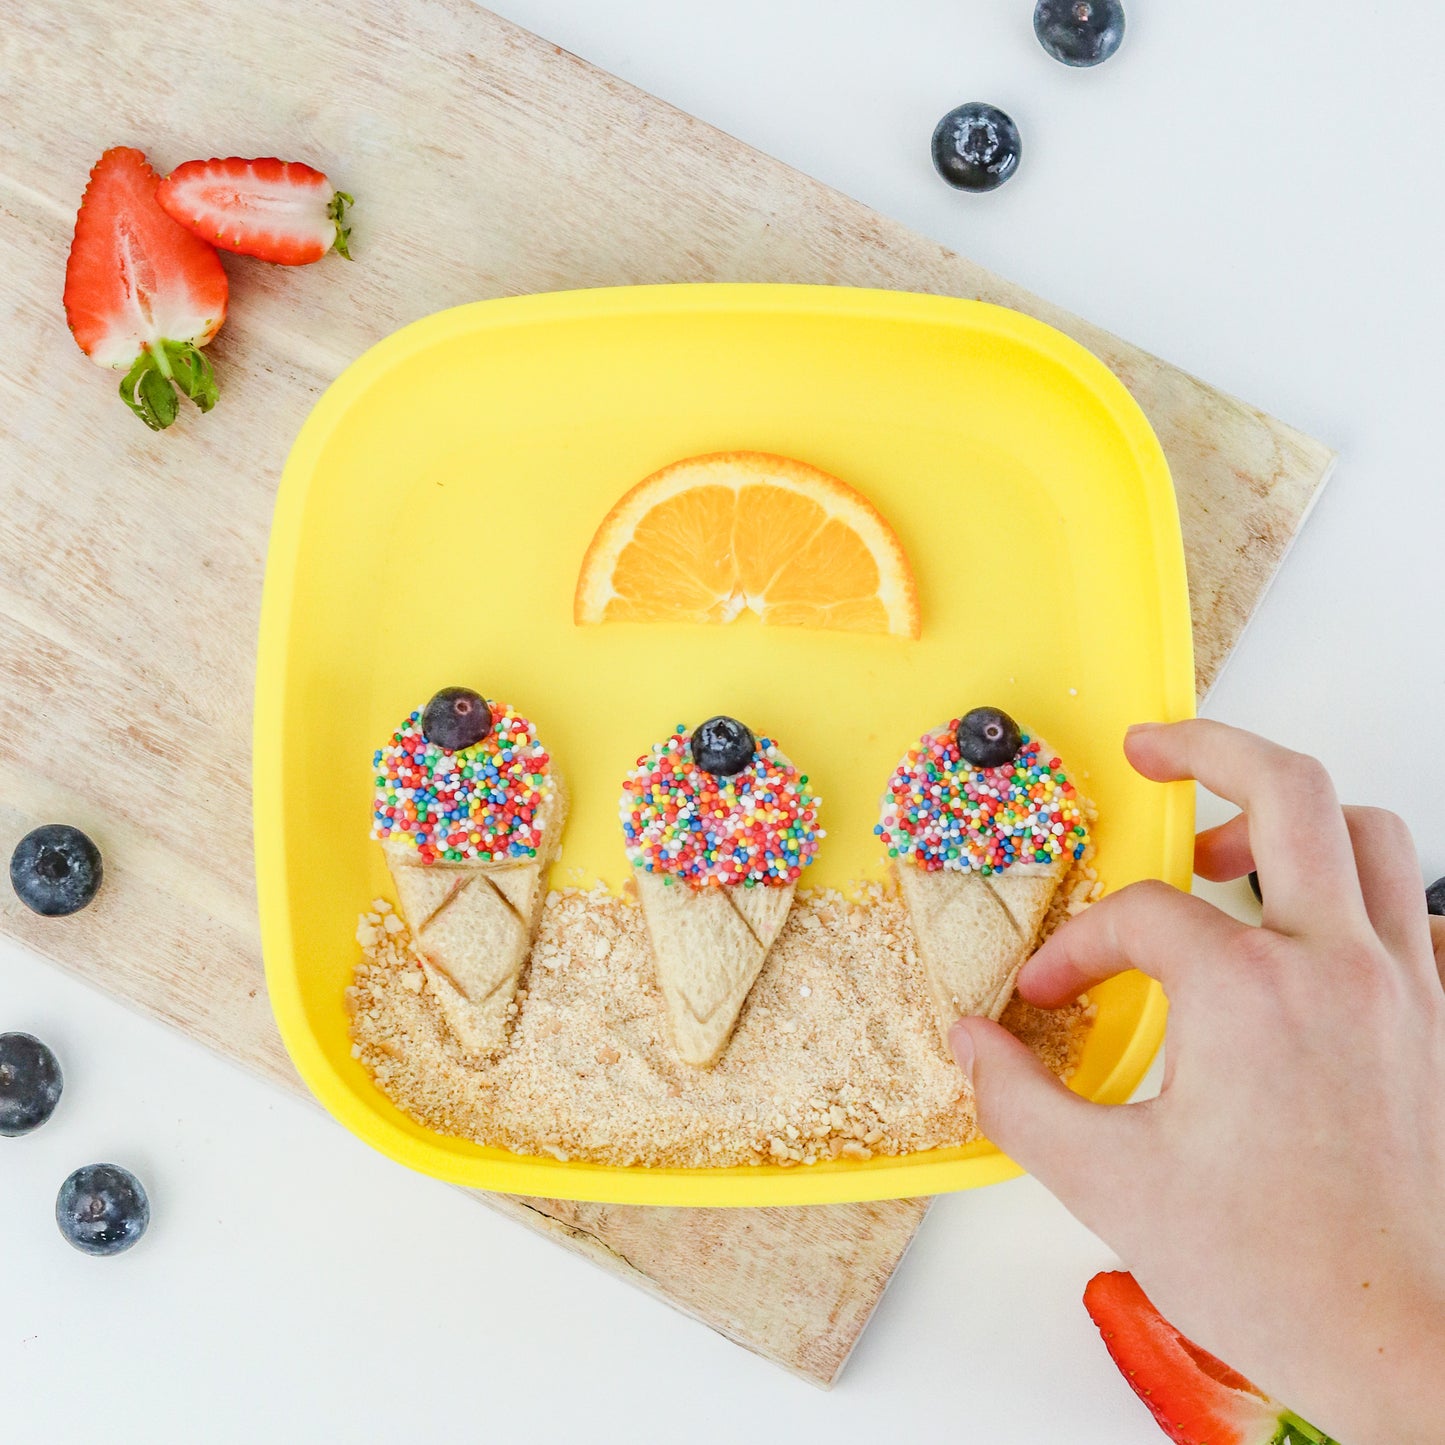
[469, 835]
[717, 858]
[710, 945]
[974, 934]
[979, 850]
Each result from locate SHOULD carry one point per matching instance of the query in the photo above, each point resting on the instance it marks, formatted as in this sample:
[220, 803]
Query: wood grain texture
[794, 1285]
[130, 564]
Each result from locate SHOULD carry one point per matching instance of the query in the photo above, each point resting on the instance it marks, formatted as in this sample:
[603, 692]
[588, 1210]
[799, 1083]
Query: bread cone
[709, 945]
[974, 934]
[719, 826]
[469, 812]
[980, 850]
[472, 925]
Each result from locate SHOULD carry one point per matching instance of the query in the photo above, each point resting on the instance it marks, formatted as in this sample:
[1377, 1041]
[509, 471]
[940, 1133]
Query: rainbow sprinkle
[759, 826]
[942, 812]
[476, 805]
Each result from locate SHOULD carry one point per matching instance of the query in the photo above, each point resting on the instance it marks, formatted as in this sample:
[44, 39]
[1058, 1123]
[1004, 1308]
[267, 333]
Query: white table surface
[1248, 189]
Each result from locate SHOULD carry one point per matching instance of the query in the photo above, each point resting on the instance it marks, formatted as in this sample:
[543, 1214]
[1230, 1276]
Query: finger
[1053, 1133]
[1222, 854]
[1385, 862]
[1297, 832]
[1389, 873]
[1149, 926]
[1437, 938]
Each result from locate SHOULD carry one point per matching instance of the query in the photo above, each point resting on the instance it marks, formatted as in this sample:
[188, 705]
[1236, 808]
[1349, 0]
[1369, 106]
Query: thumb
[1068, 1144]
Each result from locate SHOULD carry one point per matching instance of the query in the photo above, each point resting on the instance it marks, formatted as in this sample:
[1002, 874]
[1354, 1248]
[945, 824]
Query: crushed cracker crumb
[589, 1072]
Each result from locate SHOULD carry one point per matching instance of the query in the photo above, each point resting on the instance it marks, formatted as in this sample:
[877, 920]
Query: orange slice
[706, 539]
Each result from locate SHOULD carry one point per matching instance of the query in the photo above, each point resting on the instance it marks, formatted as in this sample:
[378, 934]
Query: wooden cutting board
[485, 162]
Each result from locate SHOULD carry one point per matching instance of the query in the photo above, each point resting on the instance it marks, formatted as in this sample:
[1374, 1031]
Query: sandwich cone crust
[472, 925]
[974, 934]
[709, 946]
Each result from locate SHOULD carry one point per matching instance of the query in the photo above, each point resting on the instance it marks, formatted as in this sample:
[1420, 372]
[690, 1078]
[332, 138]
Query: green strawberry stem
[149, 387]
[1294, 1431]
[337, 210]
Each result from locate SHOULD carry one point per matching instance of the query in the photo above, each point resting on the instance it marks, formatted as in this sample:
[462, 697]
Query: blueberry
[1254, 884]
[1079, 32]
[976, 147]
[102, 1209]
[456, 718]
[722, 746]
[30, 1084]
[55, 869]
[988, 738]
[1435, 898]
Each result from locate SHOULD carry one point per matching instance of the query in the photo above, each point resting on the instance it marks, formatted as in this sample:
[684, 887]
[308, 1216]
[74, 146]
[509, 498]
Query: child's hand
[1283, 1200]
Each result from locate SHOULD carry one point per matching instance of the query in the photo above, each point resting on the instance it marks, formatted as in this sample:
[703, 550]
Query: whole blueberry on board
[456, 718]
[102, 1209]
[988, 737]
[1435, 898]
[1079, 32]
[30, 1084]
[723, 746]
[55, 869]
[976, 147]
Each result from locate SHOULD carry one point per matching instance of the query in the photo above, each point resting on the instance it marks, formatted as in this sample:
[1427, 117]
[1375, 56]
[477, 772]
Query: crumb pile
[836, 1054]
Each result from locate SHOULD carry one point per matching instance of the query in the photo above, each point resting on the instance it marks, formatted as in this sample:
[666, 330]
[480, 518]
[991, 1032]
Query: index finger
[1149, 926]
[1297, 830]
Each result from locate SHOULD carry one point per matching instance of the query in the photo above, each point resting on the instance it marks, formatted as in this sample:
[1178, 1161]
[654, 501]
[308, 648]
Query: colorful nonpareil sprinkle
[942, 812]
[476, 805]
[759, 826]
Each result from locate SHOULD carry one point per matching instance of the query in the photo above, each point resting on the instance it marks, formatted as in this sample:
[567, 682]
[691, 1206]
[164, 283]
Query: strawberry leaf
[158, 398]
[149, 387]
[337, 210]
[148, 394]
[192, 372]
[128, 384]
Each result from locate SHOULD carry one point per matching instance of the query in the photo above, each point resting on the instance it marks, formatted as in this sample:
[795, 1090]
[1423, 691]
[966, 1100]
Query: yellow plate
[428, 530]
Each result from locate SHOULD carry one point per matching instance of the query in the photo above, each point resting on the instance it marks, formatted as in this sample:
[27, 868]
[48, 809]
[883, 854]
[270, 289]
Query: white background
[1251, 190]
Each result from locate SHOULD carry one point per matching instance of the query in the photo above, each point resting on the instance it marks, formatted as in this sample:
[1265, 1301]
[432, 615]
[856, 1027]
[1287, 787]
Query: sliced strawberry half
[1197, 1399]
[142, 292]
[280, 211]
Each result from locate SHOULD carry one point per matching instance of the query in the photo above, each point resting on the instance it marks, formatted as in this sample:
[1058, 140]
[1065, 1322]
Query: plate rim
[443, 1157]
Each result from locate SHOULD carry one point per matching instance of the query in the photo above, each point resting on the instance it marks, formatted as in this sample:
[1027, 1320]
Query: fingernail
[1142, 727]
[960, 1043]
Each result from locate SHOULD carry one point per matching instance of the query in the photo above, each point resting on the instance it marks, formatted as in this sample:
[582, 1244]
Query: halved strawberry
[281, 211]
[1197, 1399]
[141, 291]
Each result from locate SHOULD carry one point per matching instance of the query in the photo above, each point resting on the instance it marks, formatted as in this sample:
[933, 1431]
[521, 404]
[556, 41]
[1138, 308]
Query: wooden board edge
[867, 1318]
[820, 1369]
[1321, 482]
